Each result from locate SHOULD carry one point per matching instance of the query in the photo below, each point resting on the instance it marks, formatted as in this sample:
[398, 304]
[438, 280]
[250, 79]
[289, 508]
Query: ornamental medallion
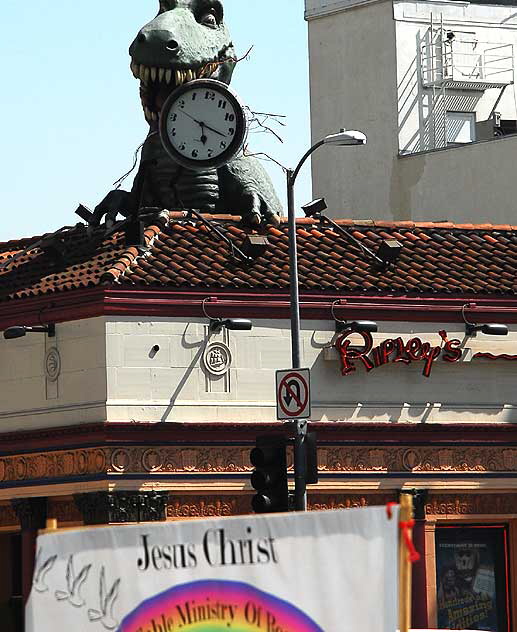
[217, 358]
[52, 364]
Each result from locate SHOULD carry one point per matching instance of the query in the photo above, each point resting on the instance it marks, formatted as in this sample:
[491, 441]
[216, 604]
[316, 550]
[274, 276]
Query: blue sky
[70, 114]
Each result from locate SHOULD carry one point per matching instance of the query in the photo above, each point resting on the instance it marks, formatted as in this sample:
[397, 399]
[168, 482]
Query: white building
[133, 409]
[432, 85]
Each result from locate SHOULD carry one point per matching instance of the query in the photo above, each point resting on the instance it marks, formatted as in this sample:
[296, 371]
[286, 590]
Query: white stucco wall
[363, 75]
[28, 400]
[473, 184]
[353, 85]
[174, 386]
[109, 373]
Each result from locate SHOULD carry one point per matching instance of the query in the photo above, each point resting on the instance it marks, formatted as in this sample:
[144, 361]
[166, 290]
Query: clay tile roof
[180, 252]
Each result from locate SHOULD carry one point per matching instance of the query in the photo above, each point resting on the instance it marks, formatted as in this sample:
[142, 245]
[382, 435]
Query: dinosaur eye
[209, 19]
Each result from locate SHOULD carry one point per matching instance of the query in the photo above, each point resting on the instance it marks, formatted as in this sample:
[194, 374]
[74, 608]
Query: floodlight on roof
[315, 207]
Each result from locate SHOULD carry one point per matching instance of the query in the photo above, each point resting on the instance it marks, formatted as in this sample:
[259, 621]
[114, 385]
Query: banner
[333, 571]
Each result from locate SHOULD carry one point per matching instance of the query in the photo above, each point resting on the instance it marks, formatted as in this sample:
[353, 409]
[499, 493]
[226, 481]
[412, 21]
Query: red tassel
[389, 508]
[414, 555]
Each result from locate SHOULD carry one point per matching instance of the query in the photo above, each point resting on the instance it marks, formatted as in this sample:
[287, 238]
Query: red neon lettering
[435, 352]
[414, 349]
[451, 351]
[350, 354]
[386, 348]
[394, 350]
[401, 352]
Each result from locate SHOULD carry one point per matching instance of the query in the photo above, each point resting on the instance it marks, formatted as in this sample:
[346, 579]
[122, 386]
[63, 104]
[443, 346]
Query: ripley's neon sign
[394, 350]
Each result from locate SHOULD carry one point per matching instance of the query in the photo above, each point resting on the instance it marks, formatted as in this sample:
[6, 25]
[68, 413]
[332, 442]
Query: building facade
[432, 86]
[135, 410]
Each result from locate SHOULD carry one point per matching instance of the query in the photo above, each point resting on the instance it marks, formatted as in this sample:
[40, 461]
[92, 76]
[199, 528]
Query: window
[461, 127]
[472, 578]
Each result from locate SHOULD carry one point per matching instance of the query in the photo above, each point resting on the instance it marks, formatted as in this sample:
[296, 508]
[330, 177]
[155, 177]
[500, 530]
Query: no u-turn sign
[293, 394]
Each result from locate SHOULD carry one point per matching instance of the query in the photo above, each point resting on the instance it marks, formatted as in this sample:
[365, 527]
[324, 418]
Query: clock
[203, 124]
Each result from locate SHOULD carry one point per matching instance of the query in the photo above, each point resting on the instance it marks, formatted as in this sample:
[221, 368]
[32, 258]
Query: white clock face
[203, 124]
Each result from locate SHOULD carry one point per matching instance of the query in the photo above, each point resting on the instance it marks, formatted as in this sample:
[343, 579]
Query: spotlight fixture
[359, 326]
[450, 35]
[315, 207]
[19, 331]
[254, 246]
[389, 250]
[233, 324]
[217, 324]
[490, 329]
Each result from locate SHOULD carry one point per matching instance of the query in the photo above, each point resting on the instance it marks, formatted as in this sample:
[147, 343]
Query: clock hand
[214, 130]
[204, 124]
[191, 117]
[203, 139]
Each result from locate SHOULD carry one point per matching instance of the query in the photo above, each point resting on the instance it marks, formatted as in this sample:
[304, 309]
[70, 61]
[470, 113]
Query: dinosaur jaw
[156, 84]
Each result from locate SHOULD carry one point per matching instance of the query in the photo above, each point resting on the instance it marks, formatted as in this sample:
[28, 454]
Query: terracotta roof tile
[180, 252]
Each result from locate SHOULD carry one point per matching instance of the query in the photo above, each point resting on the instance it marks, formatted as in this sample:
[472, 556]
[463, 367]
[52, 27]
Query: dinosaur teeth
[135, 69]
[161, 74]
[154, 74]
[142, 72]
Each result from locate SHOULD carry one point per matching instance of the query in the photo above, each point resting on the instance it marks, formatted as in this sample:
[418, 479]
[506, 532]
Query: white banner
[332, 571]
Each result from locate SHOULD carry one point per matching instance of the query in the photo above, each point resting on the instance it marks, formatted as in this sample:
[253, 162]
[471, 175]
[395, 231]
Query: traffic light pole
[300, 486]
[300, 461]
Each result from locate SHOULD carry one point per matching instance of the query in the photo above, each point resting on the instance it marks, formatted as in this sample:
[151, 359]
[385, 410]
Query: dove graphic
[74, 584]
[41, 570]
[107, 602]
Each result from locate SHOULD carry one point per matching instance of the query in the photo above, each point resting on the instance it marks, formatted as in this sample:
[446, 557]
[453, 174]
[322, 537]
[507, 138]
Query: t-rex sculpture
[188, 40]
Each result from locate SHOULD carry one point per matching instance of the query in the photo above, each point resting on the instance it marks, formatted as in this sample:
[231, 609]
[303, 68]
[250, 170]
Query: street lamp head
[346, 137]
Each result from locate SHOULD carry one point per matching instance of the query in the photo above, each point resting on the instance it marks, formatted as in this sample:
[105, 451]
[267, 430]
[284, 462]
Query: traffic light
[269, 477]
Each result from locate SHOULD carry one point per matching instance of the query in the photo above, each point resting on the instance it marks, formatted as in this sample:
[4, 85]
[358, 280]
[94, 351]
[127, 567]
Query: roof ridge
[344, 221]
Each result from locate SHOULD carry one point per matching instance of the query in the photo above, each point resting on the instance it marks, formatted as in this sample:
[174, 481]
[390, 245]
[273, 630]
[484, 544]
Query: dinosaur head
[187, 40]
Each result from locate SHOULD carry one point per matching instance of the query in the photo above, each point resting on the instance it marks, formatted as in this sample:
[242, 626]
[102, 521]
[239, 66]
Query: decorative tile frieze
[471, 504]
[104, 508]
[149, 461]
[121, 507]
[63, 510]
[320, 502]
[207, 506]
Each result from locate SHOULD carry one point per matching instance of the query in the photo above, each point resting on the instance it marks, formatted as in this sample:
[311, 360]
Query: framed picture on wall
[472, 578]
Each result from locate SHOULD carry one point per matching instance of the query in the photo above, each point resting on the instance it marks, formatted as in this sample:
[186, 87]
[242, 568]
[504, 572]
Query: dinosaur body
[189, 40]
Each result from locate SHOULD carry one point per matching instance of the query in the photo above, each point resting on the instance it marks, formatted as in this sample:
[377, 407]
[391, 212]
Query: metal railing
[468, 62]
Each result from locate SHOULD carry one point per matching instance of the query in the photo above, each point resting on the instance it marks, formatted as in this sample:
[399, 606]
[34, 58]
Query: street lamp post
[343, 138]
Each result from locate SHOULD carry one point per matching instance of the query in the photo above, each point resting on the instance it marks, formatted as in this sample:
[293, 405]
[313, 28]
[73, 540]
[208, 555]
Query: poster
[307, 572]
[471, 578]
